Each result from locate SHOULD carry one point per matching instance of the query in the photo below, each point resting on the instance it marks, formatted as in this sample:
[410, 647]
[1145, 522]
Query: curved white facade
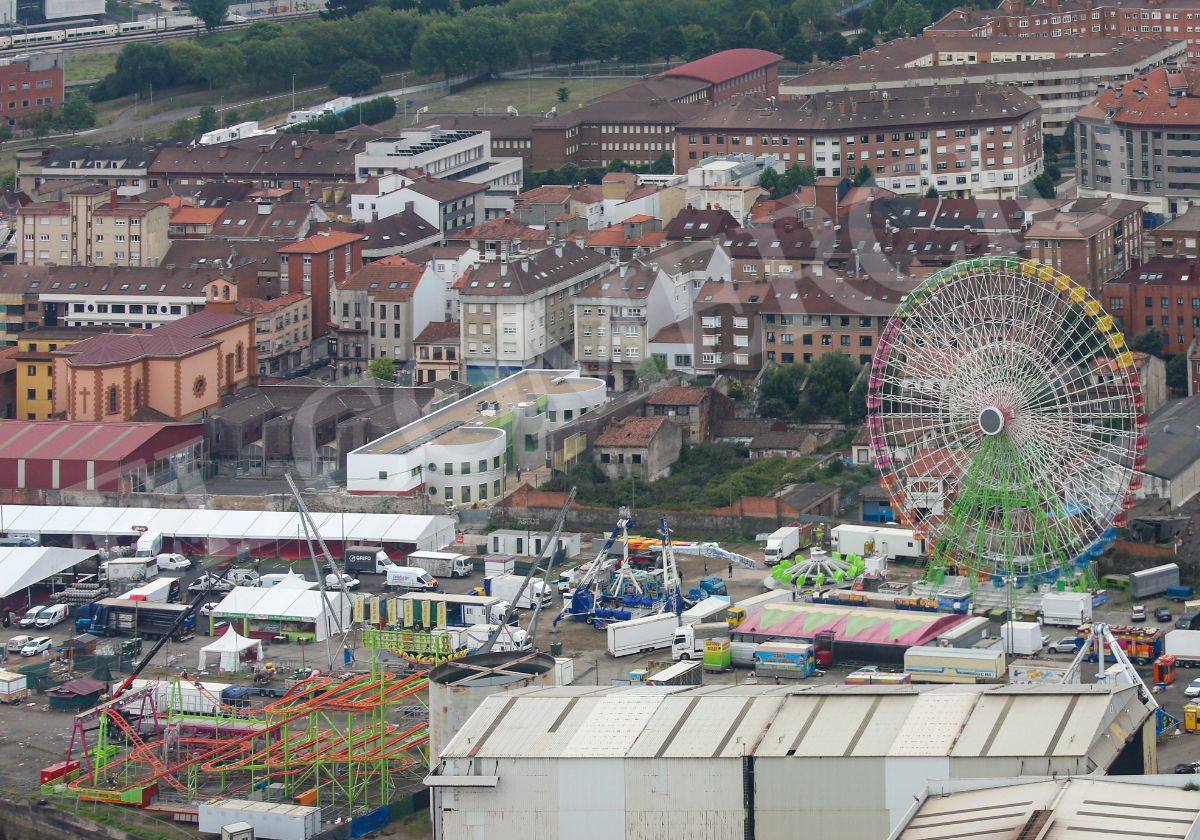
[467, 465]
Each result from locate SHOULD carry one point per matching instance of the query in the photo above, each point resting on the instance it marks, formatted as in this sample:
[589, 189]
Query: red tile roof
[439, 332]
[185, 215]
[392, 278]
[678, 395]
[632, 431]
[725, 65]
[319, 243]
[82, 441]
[1147, 100]
[260, 306]
[183, 337]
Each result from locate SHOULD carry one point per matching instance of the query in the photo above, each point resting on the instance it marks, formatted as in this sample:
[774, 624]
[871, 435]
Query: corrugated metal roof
[817, 721]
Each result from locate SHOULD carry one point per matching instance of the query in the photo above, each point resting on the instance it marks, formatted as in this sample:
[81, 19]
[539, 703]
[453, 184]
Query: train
[171, 23]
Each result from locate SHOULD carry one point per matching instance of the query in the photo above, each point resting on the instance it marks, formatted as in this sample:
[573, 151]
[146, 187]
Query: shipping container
[1155, 581]
[1066, 609]
[271, 820]
[163, 590]
[640, 635]
[966, 634]
[1021, 638]
[869, 539]
[1184, 645]
[954, 665]
[712, 608]
[178, 697]
[564, 670]
[442, 563]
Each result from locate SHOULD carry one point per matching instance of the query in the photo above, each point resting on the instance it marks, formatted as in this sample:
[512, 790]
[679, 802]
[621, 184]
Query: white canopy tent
[22, 566]
[286, 604]
[426, 533]
[229, 649]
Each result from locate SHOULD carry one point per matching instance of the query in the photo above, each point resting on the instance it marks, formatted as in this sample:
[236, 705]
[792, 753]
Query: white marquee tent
[229, 649]
[22, 566]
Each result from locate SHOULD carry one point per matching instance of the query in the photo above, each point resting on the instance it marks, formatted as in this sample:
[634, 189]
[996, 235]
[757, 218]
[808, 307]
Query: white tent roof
[239, 601]
[22, 566]
[231, 642]
[426, 532]
[289, 602]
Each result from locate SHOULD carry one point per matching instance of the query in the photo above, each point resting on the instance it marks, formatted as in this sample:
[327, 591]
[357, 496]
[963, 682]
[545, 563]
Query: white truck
[639, 635]
[163, 590]
[864, 540]
[741, 609]
[712, 608]
[512, 639]
[1066, 609]
[1184, 645]
[410, 578]
[507, 586]
[1021, 638]
[444, 564]
[148, 544]
[127, 570]
[178, 696]
[781, 545]
[690, 638]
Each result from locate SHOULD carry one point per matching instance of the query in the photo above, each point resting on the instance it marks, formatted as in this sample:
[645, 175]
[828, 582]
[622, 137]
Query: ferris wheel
[1006, 418]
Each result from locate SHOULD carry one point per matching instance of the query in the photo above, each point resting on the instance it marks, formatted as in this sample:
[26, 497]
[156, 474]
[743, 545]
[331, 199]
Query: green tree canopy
[1151, 341]
[210, 12]
[354, 78]
[382, 367]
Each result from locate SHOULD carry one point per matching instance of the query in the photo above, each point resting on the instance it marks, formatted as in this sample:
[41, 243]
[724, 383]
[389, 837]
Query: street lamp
[293, 91]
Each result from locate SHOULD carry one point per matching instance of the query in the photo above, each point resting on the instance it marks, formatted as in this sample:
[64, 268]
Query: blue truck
[123, 617]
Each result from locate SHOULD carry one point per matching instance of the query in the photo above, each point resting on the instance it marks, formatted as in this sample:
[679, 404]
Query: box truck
[738, 612]
[148, 544]
[161, 590]
[1154, 581]
[690, 638]
[1066, 609]
[1021, 638]
[365, 559]
[178, 696]
[868, 539]
[443, 563]
[507, 586]
[270, 820]
[639, 635]
[781, 545]
[410, 578]
[128, 570]
[712, 608]
[512, 639]
[954, 665]
[1184, 645]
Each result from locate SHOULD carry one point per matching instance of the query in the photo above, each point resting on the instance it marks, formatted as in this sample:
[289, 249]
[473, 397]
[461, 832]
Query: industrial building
[764, 762]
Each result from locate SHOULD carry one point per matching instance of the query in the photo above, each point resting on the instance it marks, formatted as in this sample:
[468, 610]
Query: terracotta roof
[319, 243]
[561, 194]
[393, 278]
[1147, 100]
[443, 190]
[725, 65]
[677, 333]
[678, 395]
[182, 337]
[260, 306]
[500, 229]
[7, 361]
[632, 431]
[185, 215]
[439, 332]
[613, 236]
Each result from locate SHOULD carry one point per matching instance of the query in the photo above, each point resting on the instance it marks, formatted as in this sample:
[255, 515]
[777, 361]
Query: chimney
[887, 104]
[223, 152]
[558, 250]
[112, 199]
[853, 106]
[297, 152]
[925, 101]
[504, 268]
[264, 208]
[978, 98]
[579, 241]
[624, 268]
[842, 108]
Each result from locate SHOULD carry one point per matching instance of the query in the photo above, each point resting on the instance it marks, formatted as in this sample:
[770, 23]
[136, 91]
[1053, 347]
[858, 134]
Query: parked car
[173, 562]
[31, 616]
[1193, 688]
[1162, 614]
[209, 608]
[1184, 622]
[204, 581]
[17, 642]
[1064, 645]
[1138, 613]
[35, 646]
[1188, 767]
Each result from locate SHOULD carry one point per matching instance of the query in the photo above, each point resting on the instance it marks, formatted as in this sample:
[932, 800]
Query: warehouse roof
[83, 441]
[1058, 809]
[959, 722]
[227, 524]
[22, 566]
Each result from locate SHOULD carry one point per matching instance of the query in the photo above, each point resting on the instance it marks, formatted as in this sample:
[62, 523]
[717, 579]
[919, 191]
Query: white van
[31, 616]
[411, 578]
[52, 615]
[244, 577]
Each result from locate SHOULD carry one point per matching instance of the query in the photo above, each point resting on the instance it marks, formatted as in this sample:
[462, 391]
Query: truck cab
[148, 544]
[411, 578]
[366, 559]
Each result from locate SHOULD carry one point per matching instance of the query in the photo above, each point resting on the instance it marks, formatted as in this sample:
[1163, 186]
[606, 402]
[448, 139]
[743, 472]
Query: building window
[113, 399]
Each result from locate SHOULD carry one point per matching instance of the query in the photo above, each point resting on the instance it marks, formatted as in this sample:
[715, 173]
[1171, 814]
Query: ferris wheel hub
[991, 421]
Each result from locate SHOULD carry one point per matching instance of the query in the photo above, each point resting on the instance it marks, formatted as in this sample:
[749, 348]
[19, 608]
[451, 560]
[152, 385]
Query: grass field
[90, 65]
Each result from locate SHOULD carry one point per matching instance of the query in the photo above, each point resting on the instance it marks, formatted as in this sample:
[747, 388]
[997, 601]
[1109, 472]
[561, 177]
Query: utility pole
[293, 91]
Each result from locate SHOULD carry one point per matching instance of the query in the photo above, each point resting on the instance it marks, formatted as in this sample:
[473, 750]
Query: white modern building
[771, 762]
[462, 452]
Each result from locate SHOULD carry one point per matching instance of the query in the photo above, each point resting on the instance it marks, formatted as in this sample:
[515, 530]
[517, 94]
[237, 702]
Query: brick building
[638, 447]
[806, 317]
[980, 139]
[1092, 240]
[1162, 293]
[726, 328]
[29, 85]
[315, 264]
[695, 409]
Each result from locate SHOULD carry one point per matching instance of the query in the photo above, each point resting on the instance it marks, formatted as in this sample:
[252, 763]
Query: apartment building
[1163, 294]
[1045, 19]
[436, 349]
[92, 226]
[511, 134]
[138, 298]
[282, 326]
[618, 314]
[123, 166]
[29, 84]
[314, 265]
[35, 367]
[1061, 74]
[520, 313]
[1092, 240]
[727, 330]
[1180, 237]
[978, 139]
[19, 306]
[1139, 141]
[381, 308]
[805, 317]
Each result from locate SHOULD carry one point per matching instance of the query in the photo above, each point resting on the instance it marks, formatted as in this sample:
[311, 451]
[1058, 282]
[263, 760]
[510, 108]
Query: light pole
[293, 91]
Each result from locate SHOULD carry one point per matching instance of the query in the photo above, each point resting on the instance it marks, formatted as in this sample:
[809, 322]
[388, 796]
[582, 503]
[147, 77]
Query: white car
[17, 642]
[30, 618]
[173, 562]
[35, 646]
[209, 608]
[1193, 688]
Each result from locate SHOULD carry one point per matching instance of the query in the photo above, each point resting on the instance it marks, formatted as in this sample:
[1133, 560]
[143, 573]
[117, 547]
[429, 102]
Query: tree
[1150, 341]
[931, 192]
[863, 41]
[798, 50]
[769, 181]
[697, 41]
[833, 46]
[210, 12]
[77, 113]
[382, 367]
[181, 130]
[562, 94]
[916, 19]
[664, 164]
[1177, 373]
[787, 26]
[355, 77]
[1044, 185]
[815, 16]
[760, 31]
[344, 8]
[863, 175]
[206, 119]
[652, 369]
